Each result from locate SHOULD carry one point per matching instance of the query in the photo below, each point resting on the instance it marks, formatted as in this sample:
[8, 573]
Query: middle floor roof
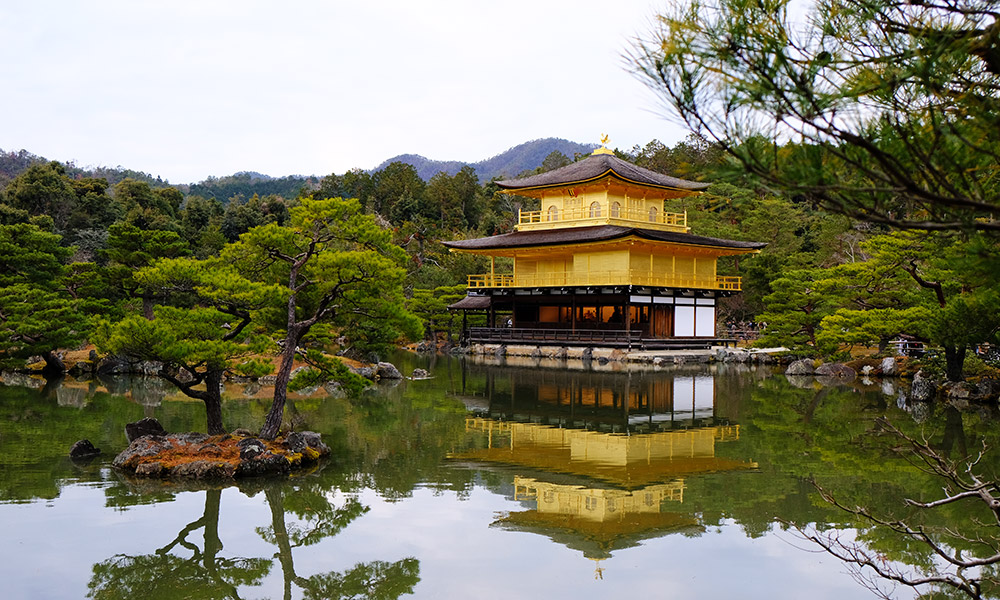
[602, 233]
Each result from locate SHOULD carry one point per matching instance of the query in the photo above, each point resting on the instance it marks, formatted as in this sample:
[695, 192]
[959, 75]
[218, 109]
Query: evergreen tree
[37, 315]
[342, 275]
[885, 110]
[200, 329]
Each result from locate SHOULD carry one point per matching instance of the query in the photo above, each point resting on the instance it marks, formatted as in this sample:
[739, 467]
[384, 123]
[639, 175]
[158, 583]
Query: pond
[513, 479]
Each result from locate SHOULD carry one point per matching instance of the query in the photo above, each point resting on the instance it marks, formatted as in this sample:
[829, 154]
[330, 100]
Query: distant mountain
[425, 167]
[520, 158]
[523, 157]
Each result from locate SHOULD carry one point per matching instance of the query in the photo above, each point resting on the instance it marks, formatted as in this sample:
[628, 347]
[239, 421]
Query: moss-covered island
[226, 456]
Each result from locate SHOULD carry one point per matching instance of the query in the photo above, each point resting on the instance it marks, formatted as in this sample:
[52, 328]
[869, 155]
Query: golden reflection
[628, 461]
[598, 492]
[593, 504]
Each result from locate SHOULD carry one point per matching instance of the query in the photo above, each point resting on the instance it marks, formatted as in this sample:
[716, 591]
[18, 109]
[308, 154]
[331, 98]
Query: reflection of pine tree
[164, 575]
[936, 549]
[376, 580]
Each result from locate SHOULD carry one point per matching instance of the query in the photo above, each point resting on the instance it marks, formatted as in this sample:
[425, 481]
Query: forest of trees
[883, 112]
[876, 194]
[827, 282]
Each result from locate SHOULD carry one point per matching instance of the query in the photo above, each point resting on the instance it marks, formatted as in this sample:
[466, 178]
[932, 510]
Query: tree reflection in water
[165, 575]
[206, 574]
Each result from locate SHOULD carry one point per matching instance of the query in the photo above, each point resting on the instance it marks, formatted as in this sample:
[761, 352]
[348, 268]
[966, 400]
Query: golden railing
[604, 278]
[491, 281]
[727, 433]
[604, 215]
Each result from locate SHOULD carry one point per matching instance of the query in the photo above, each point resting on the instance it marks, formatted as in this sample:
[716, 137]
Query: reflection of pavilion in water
[625, 402]
[587, 486]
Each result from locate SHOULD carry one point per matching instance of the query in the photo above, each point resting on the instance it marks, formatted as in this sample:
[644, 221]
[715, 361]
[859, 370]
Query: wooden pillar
[573, 314]
[628, 321]
[653, 333]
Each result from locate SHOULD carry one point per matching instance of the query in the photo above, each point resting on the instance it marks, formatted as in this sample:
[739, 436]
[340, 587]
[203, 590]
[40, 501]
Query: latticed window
[553, 213]
[616, 209]
[652, 214]
[595, 209]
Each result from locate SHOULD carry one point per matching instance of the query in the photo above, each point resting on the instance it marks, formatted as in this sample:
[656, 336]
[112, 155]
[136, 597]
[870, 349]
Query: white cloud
[191, 89]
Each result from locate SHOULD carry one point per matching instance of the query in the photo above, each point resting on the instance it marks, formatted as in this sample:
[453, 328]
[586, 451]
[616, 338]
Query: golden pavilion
[601, 263]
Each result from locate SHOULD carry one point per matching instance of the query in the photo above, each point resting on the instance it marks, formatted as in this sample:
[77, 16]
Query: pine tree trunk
[954, 362]
[272, 424]
[213, 403]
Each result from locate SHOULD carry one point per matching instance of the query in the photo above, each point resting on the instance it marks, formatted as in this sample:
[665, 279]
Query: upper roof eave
[596, 167]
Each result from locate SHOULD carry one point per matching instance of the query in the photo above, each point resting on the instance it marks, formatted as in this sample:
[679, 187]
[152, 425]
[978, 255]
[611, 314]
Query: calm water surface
[514, 480]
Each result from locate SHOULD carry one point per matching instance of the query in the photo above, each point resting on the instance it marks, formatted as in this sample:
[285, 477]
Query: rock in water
[83, 449]
[420, 374]
[889, 368]
[306, 442]
[923, 389]
[800, 367]
[112, 365]
[386, 370]
[366, 372]
[147, 426]
[836, 370]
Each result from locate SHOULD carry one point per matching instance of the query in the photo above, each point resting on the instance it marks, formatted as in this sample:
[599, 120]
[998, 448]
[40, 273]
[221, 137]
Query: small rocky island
[154, 453]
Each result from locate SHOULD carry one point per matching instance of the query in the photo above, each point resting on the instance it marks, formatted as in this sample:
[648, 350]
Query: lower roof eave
[603, 290]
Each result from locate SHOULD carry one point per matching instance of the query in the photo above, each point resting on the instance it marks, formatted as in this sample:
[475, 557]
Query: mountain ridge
[518, 159]
[509, 163]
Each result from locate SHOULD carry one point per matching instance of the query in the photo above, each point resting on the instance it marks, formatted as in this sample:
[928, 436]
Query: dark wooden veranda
[607, 338]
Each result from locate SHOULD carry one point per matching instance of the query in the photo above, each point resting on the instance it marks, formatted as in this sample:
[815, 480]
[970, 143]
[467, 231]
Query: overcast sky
[185, 90]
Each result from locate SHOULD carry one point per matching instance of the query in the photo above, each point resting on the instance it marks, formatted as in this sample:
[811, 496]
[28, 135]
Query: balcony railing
[585, 337]
[604, 278]
[528, 219]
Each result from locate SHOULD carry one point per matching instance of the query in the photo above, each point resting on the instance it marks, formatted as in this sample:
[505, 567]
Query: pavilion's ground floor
[626, 316]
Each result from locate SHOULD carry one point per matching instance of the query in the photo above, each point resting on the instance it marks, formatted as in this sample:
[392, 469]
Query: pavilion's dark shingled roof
[596, 166]
[471, 303]
[600, 233]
